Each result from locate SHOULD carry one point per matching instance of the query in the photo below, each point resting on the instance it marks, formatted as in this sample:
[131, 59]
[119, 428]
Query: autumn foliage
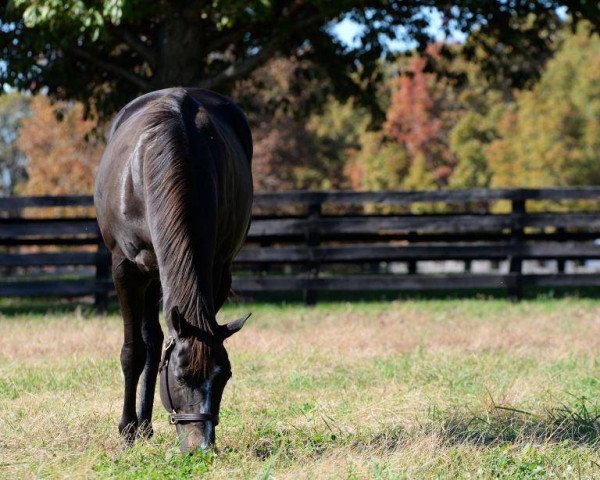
[61, 148]
[550, 136]
[439, 132]
[419, 118]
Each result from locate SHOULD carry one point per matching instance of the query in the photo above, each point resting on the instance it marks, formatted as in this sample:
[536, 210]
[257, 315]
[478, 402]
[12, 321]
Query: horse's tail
[181, 204]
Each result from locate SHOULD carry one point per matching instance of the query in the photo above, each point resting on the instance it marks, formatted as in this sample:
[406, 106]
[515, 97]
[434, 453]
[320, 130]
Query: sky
[348, 32]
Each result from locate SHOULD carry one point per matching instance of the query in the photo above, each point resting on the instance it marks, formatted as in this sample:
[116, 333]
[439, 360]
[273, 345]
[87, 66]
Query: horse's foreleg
[153, 338]
[130, 286]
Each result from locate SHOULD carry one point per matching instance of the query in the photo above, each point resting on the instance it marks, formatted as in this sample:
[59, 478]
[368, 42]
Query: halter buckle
[170, 343]
[172, 419]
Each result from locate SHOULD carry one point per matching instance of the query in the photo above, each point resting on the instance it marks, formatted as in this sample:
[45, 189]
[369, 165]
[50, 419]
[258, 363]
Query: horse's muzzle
[196, 436]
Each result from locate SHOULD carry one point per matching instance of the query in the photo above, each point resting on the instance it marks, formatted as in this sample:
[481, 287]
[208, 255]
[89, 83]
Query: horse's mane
[183, 247]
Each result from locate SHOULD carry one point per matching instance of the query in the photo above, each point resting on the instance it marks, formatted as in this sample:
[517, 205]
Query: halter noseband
[174, 417]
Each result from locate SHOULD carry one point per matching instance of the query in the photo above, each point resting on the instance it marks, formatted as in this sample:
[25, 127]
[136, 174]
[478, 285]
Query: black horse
[173, 197]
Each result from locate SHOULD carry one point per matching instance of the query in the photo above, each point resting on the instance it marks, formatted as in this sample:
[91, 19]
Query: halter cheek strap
[165, 391]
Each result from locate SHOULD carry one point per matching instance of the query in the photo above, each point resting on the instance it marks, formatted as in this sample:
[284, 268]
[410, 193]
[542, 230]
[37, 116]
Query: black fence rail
[337, 241]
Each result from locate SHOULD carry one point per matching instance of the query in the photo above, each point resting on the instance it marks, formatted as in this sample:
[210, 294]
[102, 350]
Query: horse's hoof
[128, 432]
[145, 430]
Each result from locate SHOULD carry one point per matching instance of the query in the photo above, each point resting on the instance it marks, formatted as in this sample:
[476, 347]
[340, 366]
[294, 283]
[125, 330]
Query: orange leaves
[59, 158]
[418, 118]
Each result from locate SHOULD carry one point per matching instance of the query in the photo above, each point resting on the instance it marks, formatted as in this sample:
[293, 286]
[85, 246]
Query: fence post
[411, 264]
[14, 213]
[516, 239]
[468, 266]
[312, 240]
[264, 268]
[103, 262]
[561, 262]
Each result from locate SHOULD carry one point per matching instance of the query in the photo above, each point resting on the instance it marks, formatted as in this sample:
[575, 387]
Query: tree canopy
[108, 51]
[448, 122]
[551, 135]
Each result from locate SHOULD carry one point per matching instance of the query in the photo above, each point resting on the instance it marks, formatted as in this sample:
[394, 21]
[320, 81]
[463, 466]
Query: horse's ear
[230, 328]
[178, 322]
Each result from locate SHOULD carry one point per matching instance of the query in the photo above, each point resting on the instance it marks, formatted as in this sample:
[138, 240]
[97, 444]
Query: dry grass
[416, 389]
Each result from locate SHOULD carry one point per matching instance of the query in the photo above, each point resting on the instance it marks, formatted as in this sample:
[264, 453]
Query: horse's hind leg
[153, 338]
[130, 285]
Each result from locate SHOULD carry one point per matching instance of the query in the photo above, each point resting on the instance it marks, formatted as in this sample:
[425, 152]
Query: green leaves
[113, 9]
[54, 14]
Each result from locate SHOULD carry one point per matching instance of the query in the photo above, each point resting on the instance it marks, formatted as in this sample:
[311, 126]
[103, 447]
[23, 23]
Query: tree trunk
[180, 54]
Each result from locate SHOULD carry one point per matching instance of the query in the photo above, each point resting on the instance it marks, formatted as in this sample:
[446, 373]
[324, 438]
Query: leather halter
[174, 417]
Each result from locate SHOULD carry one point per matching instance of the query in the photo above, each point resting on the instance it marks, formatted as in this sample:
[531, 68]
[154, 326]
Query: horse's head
[193, 374]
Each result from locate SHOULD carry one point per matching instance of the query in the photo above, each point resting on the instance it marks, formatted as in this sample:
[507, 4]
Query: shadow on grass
[578, 423]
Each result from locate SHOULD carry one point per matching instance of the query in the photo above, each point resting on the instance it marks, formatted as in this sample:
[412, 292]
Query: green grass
[432, 388]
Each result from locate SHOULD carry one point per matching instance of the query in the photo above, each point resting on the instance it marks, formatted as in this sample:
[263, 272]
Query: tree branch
[247, 65]
[136, 44]
[241, 68]
[223, 40]
[111, 67]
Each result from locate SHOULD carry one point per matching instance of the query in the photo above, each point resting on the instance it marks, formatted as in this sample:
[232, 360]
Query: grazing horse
[173, 196]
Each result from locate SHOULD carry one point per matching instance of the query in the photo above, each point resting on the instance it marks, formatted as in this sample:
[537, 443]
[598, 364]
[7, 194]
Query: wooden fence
[334, 241]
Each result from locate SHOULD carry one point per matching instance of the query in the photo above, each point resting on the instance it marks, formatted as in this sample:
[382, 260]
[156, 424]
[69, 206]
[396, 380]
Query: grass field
[413, 389]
